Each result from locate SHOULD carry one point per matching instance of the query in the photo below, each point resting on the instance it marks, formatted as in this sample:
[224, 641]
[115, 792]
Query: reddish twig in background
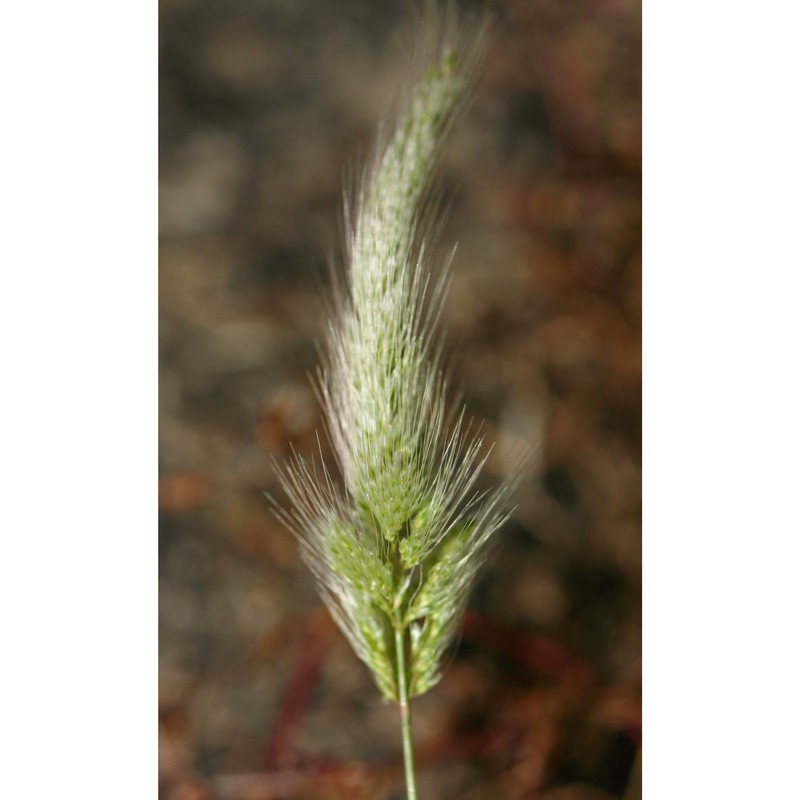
[279, 751]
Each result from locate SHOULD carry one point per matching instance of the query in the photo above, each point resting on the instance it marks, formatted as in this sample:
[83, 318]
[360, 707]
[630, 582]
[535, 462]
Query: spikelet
[395, 550]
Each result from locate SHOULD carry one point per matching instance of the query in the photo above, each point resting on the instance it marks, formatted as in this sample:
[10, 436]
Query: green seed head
[394, 551]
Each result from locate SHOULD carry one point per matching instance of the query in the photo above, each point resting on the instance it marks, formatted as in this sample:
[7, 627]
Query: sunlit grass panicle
[394, 551]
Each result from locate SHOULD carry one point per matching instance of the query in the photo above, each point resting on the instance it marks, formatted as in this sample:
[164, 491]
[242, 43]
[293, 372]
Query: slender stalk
[405, 714]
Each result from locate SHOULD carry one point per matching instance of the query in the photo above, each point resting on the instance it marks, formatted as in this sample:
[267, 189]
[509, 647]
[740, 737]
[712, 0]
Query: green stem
[405, 714]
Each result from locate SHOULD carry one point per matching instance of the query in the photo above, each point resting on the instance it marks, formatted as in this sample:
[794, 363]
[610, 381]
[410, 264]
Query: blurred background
[263, 106]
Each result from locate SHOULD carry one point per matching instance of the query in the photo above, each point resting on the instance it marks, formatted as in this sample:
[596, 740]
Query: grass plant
[395, 544]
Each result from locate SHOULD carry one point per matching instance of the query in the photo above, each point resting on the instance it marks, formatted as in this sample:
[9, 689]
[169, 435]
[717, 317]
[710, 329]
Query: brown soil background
[262, 107]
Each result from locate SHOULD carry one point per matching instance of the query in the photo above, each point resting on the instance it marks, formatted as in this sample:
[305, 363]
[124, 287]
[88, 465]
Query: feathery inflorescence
[394, 551]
